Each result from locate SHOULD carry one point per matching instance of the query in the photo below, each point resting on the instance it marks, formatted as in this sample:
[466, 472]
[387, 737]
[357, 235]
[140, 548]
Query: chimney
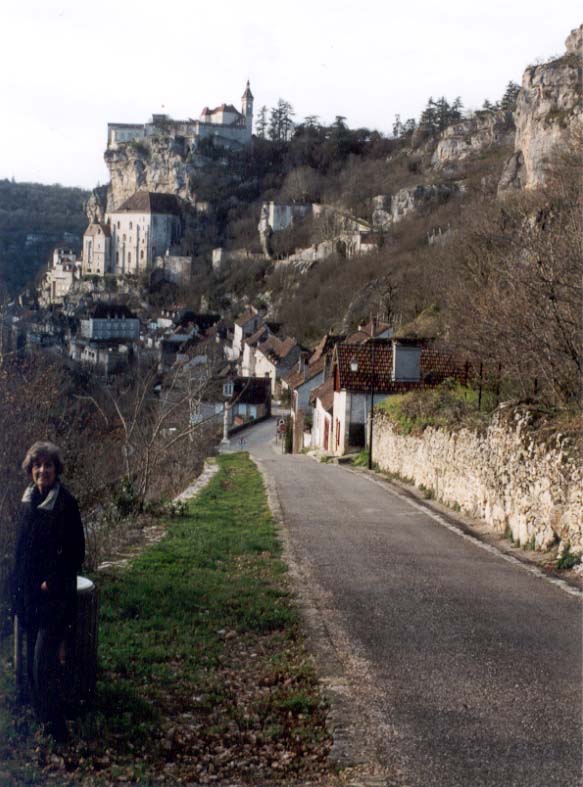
[303, 363]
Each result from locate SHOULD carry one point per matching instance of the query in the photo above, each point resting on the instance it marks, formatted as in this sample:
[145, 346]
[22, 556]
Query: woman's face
[44, 474]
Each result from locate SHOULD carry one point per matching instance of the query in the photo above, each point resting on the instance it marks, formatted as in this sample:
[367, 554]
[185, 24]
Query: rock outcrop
[410, 200]
[159, 164]
[471, 137]
[548, 116]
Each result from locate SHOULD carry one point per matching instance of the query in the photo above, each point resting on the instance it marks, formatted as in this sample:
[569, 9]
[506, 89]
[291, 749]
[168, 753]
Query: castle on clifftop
[224, 124]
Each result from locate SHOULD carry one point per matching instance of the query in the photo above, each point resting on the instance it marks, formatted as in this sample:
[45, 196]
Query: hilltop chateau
[224, 124]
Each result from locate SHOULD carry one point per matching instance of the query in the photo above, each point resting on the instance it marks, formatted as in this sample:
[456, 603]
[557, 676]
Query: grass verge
[203, 675]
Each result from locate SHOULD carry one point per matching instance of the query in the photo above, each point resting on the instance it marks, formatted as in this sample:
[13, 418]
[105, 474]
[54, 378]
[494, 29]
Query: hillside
[33, 219]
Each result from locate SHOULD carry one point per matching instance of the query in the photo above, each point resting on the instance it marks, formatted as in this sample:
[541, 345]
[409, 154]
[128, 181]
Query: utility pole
[372, 382]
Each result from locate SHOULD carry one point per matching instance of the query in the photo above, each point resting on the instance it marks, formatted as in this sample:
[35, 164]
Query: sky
[68, 68]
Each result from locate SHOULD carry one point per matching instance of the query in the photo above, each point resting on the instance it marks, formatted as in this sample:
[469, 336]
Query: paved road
[468, 666]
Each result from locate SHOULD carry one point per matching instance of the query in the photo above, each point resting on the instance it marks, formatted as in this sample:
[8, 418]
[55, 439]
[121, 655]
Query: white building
[97, 250]
[225, 124]
[64, 268]
[144, 227]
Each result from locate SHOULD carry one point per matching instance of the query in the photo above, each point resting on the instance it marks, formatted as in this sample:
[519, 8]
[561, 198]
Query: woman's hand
[44, 587]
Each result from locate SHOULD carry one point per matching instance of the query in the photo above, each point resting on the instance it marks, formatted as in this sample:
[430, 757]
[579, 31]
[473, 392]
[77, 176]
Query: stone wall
[502, 476]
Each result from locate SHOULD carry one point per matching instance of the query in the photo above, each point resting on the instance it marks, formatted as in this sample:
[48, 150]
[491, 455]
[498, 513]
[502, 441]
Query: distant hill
[33, 219]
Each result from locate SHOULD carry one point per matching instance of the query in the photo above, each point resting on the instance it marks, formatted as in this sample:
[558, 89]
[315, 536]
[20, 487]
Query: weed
[530, 544]
[568, 559]
[428, 492]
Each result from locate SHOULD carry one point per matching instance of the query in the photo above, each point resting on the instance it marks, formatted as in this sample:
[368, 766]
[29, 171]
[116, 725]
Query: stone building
[224, 124]
[97, 250]
[64, 268]
[144, 228]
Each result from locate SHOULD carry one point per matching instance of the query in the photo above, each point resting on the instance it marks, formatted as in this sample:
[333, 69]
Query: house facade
[64, 269]
[366, 374]
[110, 322]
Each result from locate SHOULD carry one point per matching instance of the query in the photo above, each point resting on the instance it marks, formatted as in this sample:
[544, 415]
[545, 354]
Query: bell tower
[247, 109]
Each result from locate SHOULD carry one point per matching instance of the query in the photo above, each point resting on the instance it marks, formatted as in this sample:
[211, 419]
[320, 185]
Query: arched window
[142, 254]
[129, 257]
[131, 225]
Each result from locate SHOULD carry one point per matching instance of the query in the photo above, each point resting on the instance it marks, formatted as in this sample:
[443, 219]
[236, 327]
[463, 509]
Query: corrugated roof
[150, 202]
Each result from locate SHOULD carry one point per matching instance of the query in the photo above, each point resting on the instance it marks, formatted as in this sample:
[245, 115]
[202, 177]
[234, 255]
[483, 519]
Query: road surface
[453, 665]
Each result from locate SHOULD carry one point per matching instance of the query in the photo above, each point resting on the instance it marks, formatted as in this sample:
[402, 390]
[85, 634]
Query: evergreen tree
[261, 123]
[508, 101]
[280, 122]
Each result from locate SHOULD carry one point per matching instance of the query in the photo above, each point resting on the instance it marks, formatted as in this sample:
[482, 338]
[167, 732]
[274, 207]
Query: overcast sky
[68, 68]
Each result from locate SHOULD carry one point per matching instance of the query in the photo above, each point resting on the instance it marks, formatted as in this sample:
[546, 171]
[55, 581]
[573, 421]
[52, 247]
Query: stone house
[245, 325]
[322, 404]
[97, 260]
[300, 382]
[64, 269]
[375, 370]
[274, 358]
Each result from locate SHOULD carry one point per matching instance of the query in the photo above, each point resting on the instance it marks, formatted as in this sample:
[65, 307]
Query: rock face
[532, 490]
[158, 164]
[96, 206]
[548, 116]
[471, 137]
[408, 201]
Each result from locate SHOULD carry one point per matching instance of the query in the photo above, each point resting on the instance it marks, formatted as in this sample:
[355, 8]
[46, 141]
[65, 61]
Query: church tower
[247, 109]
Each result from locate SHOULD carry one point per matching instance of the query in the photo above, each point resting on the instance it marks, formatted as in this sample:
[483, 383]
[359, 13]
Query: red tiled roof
[247, 315]
[296, 377]
[325, 344]
[259, 335]
[436, 366]
[325, 393]
[275, 349]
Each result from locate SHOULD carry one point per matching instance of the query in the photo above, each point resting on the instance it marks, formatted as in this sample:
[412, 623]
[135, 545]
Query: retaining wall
[503, 476]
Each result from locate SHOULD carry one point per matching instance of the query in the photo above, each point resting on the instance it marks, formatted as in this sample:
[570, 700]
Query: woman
[50, 552]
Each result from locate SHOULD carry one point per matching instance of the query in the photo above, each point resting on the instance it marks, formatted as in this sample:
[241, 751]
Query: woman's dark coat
[51, 549]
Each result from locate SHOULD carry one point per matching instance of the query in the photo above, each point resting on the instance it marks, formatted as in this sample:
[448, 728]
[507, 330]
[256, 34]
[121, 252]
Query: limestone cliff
[471, 137]
[158, 164]
[548, 116]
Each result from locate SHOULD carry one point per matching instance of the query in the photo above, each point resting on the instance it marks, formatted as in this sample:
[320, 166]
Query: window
[142, 254]
[118, 225]
[124, 238]
[129, 257]
[131, 225]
